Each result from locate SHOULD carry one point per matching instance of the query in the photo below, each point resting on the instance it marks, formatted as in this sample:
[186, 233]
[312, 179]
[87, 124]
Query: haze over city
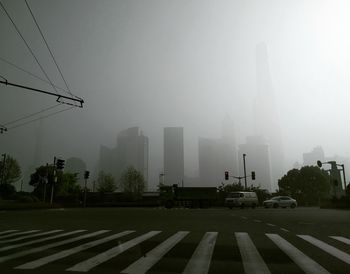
[190, 64]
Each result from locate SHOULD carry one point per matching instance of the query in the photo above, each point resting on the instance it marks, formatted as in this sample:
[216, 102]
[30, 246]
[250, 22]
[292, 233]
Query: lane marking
[285, 230]
[40, 240]
[244, 217]
[18, 233]
[31, 236]
[327, 248]
[342, 239]
[258, 221]
[88, 264]
[71, 251]
[201, 258]
[8, 231]
[48, 246]
[270, 224]
[252, 261]
[304, 262]
[143, 264]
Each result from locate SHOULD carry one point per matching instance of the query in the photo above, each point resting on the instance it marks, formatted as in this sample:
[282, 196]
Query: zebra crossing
[16, 244]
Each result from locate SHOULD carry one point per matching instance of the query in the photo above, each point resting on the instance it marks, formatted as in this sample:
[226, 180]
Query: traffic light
[253, 175]
[226, 175]
[86, 174]
[60, 164]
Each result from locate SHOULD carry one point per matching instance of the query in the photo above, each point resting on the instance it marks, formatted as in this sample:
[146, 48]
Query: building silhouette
[266, 119]
[258, 160]
[173, 155]
[76, 166]
[215, 156]
[131, 150]
[311, 158]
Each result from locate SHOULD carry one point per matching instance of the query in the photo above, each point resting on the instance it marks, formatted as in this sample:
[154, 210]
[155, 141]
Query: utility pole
[54, 179]
[344, 177]
[245, 172]
[46, 181]
[86, 176]
[3, 167]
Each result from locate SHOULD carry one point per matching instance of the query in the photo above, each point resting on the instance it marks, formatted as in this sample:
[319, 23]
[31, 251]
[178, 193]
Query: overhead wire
[42, 117]
[31, 115]
[27, 45]
[29, 73]
[48, 47]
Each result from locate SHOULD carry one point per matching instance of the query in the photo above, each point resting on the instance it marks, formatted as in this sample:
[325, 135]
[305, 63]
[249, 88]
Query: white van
[241, 199]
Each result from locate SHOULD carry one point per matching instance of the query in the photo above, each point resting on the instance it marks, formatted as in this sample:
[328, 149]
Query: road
[156, 240]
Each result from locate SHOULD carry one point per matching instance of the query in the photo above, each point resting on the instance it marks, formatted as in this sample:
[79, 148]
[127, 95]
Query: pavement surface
[157, 240]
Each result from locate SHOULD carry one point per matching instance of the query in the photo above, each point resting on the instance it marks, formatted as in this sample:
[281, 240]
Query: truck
[192, 197]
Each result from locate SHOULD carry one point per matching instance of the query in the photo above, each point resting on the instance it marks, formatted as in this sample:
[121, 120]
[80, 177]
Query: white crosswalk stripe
[152, 257]
[252, 261]
[327, 248]
[107, 255]
[8, 231]
[201, 258]
[40, 240]
[48, 246]
[341, 239]
[199, 262]
[71, 251]
[18, 233]
[303, 261]
[30, 236]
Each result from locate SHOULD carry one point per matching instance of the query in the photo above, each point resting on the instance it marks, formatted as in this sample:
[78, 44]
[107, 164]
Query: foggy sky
[162, 63]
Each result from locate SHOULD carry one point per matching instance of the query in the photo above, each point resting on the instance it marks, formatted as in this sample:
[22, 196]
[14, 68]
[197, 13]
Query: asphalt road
[156, 240]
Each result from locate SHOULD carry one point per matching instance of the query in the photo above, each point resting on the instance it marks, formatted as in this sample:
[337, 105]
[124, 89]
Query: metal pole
[54, 180]
[344, 177]
[85, 193]
[245, 172]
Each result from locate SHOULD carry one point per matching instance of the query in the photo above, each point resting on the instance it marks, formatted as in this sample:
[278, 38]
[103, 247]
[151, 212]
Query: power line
[27, 45]
[43, 117]
[47, 45]
[31, 115]
[3, 78]
[29, 73]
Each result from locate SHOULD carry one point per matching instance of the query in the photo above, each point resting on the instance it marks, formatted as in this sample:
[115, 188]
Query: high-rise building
[215, 156]
[131, 150]
[258, 160]
[266, 118]
[173, 155]
[311, 158]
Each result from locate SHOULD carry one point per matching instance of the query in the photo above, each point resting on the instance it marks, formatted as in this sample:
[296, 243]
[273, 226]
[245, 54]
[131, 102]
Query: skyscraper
[131, 150]
[173, 155]
[258, 160]
[266, 119]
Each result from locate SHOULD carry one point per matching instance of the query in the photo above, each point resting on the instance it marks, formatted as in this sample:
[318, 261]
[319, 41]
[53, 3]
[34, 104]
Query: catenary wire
[27, 45]
[32, 114]
[48, 47]
[29, 73]
[43, 117]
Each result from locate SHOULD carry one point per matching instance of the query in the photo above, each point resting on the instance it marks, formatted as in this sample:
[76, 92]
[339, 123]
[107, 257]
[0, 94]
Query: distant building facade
[173, 155]
[76, 166]
[132, 149]
[311, 158]
[258, 160]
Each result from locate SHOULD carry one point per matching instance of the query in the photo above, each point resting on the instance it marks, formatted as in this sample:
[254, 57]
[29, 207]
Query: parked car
[280, 201]
[241, 199]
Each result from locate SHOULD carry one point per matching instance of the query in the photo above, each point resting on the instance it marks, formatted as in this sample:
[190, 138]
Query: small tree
[105, 182]
[10, 170]
[133, 182]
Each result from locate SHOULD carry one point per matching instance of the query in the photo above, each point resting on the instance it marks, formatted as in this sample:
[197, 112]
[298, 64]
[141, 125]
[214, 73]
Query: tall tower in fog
[266, 119]
[229, 139]
[173, 155]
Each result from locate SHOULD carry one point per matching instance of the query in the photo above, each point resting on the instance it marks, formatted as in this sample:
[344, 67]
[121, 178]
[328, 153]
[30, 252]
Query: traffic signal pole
[54, 180]
[245, 172]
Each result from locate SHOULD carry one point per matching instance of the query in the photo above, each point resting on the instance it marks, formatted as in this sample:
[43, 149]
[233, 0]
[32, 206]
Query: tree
[133, 182]
[10, 170]
[308, 185]
[105, 182]
[65, 187]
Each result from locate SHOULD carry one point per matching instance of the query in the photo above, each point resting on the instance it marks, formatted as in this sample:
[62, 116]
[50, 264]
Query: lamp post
[245, 172]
